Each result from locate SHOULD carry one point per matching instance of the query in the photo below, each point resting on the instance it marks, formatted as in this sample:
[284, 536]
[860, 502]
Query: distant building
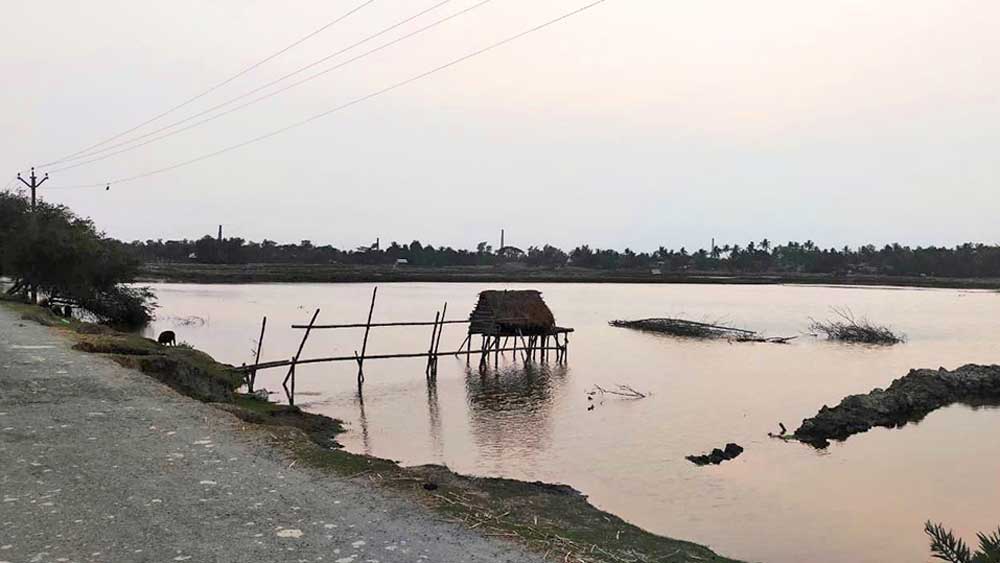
[402, 262]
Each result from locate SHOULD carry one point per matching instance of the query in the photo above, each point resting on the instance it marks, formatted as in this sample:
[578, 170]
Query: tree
[67, 259]
[945, 546]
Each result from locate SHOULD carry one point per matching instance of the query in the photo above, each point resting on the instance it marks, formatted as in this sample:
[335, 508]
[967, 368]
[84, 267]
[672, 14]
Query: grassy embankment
[553, 520]
[333, 273]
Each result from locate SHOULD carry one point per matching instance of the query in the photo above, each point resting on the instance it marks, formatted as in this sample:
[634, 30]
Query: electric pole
[32, 289]
[33, 185]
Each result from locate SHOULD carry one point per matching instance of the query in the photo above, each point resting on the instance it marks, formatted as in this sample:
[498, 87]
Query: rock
[732, 450]
[717, 456]
[908, 399]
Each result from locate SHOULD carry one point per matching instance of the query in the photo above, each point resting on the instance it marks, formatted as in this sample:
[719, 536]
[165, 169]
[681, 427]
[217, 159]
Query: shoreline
[544, 518]
[332, 273]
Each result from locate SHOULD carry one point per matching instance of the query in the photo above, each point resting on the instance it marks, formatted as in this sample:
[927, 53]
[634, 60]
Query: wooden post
[430, 349]
[437, 344]
[462, 345]
[482, 358]
[295, 358]
[496, 358]
[252, 376]
[290, 393]
[364, 343]
[524, 347]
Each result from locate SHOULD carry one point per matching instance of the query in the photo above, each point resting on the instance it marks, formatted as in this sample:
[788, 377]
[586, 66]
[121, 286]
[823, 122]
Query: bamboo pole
[462, 345]
[252, 376]
[364, 343]
[437, 344]
[307, 361]
[427, 371]
[377, 325]
[291, 370]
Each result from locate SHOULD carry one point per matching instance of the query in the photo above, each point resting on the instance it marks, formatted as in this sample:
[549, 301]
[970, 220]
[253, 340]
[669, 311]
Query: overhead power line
[88, 155]
[349, 104]
[211, 89]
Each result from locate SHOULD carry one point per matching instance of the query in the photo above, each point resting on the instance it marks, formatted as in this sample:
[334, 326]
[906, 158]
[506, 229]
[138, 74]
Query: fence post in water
[290, 392]
[364, 343]
[252, 376]
[430, 349]
[295, 358]
[437, 344]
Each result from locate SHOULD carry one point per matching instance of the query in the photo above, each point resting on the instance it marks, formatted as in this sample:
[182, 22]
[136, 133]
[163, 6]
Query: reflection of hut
[518, 314]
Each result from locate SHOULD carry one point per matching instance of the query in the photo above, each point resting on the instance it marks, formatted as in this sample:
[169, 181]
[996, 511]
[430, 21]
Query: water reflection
[434, 413]
[864, 500]
[510, 408]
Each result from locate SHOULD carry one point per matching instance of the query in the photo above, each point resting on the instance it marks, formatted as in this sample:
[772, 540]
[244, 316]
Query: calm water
[864, 500]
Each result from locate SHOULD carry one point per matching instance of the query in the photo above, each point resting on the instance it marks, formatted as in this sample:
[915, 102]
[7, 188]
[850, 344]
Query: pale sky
[638, 123]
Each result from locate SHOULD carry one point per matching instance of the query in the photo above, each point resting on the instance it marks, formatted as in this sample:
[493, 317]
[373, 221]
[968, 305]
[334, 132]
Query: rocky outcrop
[908, 399]
[717, 456]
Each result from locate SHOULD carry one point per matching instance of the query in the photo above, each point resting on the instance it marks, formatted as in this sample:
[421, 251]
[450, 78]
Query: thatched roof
[511, 312]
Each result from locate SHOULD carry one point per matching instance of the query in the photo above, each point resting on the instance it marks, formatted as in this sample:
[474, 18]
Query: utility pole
[34, 184]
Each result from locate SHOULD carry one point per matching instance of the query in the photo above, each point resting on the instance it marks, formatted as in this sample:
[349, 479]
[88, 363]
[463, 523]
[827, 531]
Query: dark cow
[167, 338]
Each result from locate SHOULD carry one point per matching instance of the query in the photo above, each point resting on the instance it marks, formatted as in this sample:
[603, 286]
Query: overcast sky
[636, 124]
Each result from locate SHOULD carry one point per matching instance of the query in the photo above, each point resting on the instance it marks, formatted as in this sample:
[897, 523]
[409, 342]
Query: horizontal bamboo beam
[401, 323]
[283, 363]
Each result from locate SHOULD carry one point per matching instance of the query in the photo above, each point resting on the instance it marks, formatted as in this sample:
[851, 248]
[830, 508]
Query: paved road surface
[99, 463]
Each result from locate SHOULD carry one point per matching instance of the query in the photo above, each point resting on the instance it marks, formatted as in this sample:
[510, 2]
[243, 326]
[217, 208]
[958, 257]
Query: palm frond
[945, 546]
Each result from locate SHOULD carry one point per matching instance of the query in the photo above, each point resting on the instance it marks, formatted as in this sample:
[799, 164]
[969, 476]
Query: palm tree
[946, 547]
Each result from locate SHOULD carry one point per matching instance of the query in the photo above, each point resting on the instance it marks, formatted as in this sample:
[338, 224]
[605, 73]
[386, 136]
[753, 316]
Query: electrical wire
[219, 85]
[269, 84]
[349, 104]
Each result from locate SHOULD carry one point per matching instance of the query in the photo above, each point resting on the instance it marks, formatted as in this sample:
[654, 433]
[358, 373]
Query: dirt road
[100, 463]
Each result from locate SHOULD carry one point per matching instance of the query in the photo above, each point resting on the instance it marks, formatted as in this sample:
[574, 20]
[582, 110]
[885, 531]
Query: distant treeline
[964, 261]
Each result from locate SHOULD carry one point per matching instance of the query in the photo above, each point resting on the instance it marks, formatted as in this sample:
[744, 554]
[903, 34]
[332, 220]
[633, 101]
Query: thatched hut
[511, 313]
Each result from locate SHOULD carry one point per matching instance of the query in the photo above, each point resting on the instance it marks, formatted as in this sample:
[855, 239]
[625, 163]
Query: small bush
[850, 329]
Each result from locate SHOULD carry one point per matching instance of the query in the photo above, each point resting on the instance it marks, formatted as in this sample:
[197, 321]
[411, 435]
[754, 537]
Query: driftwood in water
[695, 329]
[847, 328]
[623, 391]
[681, 327]
[767, 339]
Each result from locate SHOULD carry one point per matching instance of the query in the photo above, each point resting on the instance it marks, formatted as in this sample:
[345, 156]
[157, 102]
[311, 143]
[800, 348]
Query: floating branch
[851, 329]
[685, 328]
[623, 391]
[767, 339]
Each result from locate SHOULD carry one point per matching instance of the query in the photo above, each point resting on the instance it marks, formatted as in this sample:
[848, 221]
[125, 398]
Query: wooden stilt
[430, 349]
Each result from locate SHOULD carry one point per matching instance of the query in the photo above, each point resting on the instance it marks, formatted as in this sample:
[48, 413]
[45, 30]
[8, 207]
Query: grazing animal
[167, 338]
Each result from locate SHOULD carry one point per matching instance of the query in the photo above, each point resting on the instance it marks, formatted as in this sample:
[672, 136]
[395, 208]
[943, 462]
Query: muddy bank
[907, 399]
[336, 273]
[554, 520]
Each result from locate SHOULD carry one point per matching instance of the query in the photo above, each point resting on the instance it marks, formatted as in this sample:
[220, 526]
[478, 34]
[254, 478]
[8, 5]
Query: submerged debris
[908, 399]
[623, 391]
[717, 456]
[851, 329]
[694, 329]
[681, 327]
